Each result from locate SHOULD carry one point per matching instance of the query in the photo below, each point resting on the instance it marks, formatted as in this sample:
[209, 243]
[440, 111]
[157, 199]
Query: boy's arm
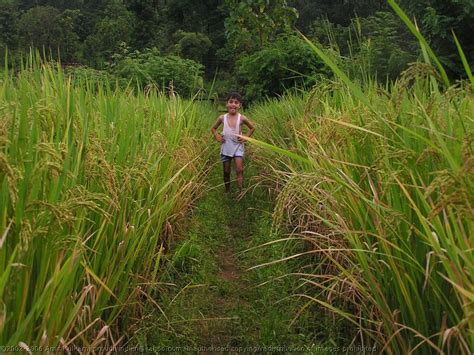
[214, 128]
[250, 126]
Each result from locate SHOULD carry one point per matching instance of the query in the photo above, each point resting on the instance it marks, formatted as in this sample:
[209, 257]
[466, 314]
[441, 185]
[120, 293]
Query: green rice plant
[385, 204]
[93, 179]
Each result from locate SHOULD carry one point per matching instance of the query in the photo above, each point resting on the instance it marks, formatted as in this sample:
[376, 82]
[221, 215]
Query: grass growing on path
[212, 298]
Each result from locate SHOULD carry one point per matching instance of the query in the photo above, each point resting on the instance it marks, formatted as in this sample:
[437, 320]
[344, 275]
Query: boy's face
[232, 105]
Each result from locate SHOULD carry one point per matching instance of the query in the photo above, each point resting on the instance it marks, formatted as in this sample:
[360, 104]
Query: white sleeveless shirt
[232, 147]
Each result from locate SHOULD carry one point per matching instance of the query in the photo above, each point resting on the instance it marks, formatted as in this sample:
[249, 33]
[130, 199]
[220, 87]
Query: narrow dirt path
[209, 300]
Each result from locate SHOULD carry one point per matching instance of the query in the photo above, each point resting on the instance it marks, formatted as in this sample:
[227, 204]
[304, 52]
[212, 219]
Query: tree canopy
[221, 35]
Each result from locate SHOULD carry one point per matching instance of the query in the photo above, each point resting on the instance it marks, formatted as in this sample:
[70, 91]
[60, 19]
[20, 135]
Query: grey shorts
[225, 158]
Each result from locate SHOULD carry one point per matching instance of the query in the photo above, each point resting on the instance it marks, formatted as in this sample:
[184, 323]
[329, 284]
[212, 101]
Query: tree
[337, 12]
[149, 22]
[8, 26]
[436, 19]
[378, 45]
[192, 45]
[284, 64]
[70, 46]
[58, 4]
[252, 24]
[204, 16]
[385, 47]
[115, 27]
[41, 27]
[45, 26]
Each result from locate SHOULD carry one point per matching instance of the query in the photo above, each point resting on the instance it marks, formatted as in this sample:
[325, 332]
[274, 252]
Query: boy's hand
[219, 138]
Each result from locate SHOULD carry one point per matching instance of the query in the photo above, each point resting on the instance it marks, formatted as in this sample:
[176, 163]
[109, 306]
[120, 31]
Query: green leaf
[464, 60]
[420, 38]
[356, 91]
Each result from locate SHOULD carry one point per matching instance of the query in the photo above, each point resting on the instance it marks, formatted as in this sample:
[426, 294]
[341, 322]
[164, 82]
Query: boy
[231, 139]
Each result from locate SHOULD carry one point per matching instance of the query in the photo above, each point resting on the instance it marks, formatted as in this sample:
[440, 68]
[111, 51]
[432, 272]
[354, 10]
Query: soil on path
[229, 266]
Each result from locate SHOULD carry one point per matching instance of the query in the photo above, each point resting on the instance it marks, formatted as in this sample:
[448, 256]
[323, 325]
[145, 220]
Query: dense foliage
[371, 166]
[377, 183]
[90, 180]
[375, 46]
[219, 34]
[286, 63]
[150, 68]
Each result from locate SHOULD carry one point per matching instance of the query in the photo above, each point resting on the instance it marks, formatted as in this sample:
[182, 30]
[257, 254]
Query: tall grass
[382, 192]
[92, 179]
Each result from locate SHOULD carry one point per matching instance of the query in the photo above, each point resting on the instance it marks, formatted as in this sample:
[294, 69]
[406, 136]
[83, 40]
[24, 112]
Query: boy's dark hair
[234, 95]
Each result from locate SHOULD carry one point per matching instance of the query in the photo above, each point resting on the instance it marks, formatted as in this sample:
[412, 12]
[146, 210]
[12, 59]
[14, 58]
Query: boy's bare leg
[226, 165]
[239, 170]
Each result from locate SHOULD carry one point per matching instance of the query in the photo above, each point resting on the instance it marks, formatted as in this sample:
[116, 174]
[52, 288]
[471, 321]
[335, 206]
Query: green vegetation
[226, 40]
[167, 73]
[210, 296]
[356, 226]
[92, 180]
[285, 64]
[382, 189]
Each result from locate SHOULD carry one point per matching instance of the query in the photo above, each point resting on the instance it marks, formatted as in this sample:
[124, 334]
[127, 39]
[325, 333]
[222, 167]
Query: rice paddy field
[93, 180]
[381, 191]
[373, 183]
